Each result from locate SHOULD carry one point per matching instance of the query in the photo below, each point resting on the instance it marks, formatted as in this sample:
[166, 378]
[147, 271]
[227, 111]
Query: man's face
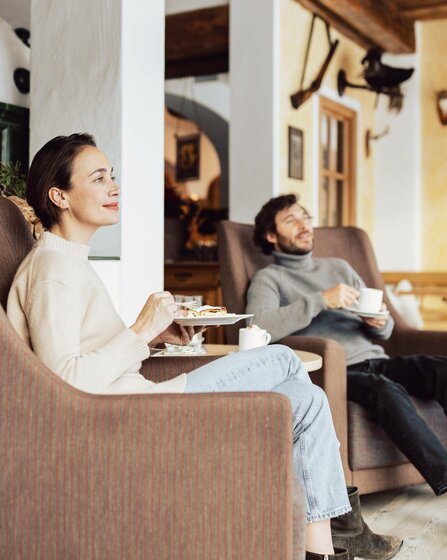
[294, 231]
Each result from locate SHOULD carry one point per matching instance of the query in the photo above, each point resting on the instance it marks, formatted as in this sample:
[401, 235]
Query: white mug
[253, 337]
[370, 300]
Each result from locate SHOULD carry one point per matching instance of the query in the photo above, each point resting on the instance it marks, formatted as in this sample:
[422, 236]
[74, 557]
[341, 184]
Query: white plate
[171, 354]
[210, 321]
[368, 314]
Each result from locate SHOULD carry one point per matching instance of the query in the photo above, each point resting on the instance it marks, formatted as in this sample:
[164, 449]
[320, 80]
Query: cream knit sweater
[61, 309]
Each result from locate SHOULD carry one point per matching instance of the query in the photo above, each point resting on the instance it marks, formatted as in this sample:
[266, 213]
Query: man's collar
[301, 262]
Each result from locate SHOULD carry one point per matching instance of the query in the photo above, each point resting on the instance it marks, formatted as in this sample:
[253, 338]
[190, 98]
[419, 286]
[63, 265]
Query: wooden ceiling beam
[368, 22]
[197, 42]
[337, 22]
[436, 10]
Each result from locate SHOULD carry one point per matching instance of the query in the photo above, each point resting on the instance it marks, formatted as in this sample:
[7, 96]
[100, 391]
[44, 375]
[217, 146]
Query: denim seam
[328, 515]
[307, 479]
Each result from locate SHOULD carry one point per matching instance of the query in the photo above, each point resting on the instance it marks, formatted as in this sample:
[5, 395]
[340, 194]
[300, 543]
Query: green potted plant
[13, 186]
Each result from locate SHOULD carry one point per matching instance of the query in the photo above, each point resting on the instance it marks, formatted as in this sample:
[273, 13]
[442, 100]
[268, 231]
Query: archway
[214, 126]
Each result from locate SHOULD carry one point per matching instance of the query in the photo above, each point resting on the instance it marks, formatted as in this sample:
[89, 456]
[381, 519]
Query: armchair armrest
[162, 369]
[153, 476]
[409, 341]
[332, 379]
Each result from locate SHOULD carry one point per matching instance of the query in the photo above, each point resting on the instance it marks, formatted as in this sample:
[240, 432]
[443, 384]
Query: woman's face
[92, 201]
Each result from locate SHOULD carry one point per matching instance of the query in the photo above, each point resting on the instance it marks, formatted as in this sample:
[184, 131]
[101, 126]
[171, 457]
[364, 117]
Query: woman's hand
[156, 316]
[175, 334]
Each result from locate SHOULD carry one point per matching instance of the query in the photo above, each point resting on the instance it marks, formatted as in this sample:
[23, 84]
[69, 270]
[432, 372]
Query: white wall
[76, 83]
[142, 152]
[102, 71]
[255, 106]
[16, 12]
[213, 93]
[13, 54]
[397, 171]
[175, 6]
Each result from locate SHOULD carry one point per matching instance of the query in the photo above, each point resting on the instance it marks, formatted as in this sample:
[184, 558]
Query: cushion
[369, 446]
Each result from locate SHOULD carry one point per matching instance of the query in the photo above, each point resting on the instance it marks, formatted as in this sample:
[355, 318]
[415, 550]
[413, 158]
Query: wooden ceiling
[422, 9]
[197, 42]
[387, 24]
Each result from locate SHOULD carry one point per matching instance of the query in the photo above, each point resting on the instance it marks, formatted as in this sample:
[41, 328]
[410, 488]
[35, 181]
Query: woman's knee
[287, 353]
[282, 349]
[315, 401]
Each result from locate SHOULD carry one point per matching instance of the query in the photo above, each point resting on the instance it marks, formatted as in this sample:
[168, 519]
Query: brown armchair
[370, 459]
[137, 476]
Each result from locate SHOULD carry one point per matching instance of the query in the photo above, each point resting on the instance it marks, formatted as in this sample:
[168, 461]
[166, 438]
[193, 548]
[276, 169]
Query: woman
[60, 307]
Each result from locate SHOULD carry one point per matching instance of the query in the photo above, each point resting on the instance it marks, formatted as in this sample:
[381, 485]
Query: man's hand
[340, 296]
[378, 322]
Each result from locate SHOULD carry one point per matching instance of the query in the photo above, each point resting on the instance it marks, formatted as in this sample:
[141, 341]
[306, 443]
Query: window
[337, 164]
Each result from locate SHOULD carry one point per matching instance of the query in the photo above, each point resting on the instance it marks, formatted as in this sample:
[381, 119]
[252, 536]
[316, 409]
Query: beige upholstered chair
[137, 476]
[370, 459]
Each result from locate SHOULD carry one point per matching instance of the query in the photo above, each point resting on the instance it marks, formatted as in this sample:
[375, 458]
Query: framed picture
[296, 162]
[187, 165]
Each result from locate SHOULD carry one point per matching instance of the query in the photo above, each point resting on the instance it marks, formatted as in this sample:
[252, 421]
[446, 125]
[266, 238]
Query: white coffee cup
[253, 337]
[370, 300]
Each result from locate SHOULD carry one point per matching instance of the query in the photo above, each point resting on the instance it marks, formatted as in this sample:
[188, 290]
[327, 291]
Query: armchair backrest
[240, 259]
[15, 243]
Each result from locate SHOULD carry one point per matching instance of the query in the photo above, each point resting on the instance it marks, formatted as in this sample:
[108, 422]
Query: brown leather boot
[340, 554]
[351, 532]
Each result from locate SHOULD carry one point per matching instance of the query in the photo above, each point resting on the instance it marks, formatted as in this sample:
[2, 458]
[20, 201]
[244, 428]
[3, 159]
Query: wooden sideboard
[193, 278]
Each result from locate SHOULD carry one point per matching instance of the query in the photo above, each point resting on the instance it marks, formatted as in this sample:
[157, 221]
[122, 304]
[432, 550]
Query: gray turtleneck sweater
[286, 298]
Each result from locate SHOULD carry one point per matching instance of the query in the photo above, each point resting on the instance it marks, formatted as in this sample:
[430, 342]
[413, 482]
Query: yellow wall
[295, 23]
[433, 77]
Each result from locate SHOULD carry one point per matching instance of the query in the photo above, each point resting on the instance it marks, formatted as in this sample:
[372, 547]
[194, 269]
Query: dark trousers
[383, 386]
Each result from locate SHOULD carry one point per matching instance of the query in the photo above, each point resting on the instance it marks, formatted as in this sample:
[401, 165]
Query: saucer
[368, 314]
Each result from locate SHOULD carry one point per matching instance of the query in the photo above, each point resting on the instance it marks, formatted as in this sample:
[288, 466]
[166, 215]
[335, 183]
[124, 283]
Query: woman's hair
[52, 167]
[265, 220]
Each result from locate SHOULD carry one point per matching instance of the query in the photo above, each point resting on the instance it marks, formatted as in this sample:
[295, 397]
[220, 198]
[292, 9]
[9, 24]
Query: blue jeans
[316, 454]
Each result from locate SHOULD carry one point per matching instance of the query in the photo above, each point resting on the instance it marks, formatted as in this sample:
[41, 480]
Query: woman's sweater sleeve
[54, 317]
[264, 300]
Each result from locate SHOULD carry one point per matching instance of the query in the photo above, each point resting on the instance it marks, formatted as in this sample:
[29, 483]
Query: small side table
[311, 361]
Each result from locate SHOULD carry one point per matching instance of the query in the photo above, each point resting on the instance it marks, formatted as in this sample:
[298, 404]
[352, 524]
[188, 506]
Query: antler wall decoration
[370, 137]
[303, 95]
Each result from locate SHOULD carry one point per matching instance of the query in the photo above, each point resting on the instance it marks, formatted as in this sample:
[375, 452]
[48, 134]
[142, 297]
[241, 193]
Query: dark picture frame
[187, 162]
[296, 150]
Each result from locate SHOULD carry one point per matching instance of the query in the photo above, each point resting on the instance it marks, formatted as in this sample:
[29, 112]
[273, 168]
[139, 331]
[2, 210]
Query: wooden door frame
[338, 109]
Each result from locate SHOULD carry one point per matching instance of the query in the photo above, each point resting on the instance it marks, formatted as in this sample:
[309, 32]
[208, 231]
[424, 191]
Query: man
[303, 295]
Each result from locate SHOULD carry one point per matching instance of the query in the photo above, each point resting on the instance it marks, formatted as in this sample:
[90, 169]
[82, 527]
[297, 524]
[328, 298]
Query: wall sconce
[441, 103]
[22, 80]
[379, 78]
[24, 35]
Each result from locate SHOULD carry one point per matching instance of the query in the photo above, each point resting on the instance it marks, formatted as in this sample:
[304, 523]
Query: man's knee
[386, 393]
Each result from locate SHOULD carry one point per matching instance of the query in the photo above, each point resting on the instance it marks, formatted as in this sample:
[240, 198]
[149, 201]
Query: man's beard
[293, 250]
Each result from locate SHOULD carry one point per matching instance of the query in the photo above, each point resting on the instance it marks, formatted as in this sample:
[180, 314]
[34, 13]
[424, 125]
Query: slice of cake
[208, 311]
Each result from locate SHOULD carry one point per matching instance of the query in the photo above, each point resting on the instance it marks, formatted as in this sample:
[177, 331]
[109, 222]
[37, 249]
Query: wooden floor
[415, 514]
